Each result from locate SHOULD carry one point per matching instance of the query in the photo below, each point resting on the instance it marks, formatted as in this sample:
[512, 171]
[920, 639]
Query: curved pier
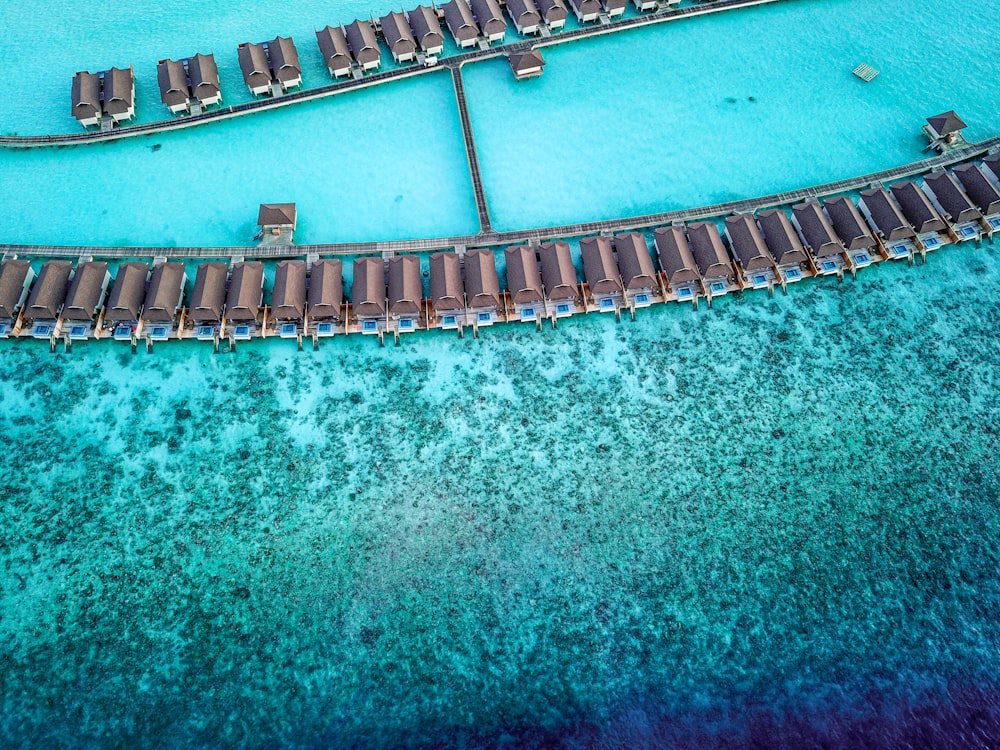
[261, 105]
[491, 238]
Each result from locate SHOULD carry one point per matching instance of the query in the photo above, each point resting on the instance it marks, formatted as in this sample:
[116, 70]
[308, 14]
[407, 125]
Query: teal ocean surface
[768, 524]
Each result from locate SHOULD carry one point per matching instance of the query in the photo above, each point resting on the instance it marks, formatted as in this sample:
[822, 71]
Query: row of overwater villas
[695, 260]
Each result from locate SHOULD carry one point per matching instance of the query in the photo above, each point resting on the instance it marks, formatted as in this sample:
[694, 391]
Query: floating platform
[865, 72]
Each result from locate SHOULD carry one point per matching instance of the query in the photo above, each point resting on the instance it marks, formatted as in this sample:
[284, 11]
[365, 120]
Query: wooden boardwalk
[470, 151]
[491, 239]
[331, 89]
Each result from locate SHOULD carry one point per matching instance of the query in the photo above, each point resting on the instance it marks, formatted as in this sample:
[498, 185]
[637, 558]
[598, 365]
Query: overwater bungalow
[818, 236]
[208, 300]
[525, 15]
[944, 129]
[406, 292]
[245, 300]
[524, 283]
[284, 60]
[755, 265]
[885, 217]
[15, 282]
[85, 298]
[364, 45]
[562, 288]
[862, 247]
[368, 294]
[482, 288]
[635, 265]
[86, 95]
[490, 19]
[991, 164]
[553, 13]
[326, 297]
[335, 50]
[447, 290]
[461, 23]
[954, 205]
[644, 5]
[255, 68]
[119, 93]
[204, 76]
[41, 316]
[288, 300]
[599, 268]
[162, 311]
[785, 245]
[982, 191]
[172, 78]
[124, 308]
[426, 29]
[614, 8]
[586, 10]
[717, 274]
[680, 270]
[931, 228]
[526, 64]
[277, 219]
[397, 34]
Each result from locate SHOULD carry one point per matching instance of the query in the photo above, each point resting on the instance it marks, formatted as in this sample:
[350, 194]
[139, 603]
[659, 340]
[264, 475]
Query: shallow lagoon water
[772, 523]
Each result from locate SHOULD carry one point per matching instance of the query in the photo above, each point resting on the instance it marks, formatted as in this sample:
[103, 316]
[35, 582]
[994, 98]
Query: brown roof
[166, 288]
[87, 291]
[204, 75]
[447, 289]
[253, 63]
[708, 251]
[780, 236]
[13, 276]
[674, 253]
[488, 16]
[978, 187]
[363, 42]
[599, 265]
[284, 58]
[172, 77]
[49, 291]
[524, 282]
[209, 294]
[119, 87]
[947, 122]
[405, 288]
[333, 45]
[634, 261]
[86, 95]
[288, 296]
[523, 61]
[525, 12]
[886, 216]
[951, 197]
[326, 290]
[816, 229]
[748, 243]
[398, 36]
[552, 10]
[848, 224]
[460, 20]
[246, 287]
[482, 285]
[368, 290]
[276, 214]
[917, 207]
[586, 6]
[128, 292]
[426, 27]
[558, 271]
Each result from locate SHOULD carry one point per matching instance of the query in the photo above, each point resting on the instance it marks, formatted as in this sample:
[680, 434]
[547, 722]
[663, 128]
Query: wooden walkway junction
[331, 89]
[493, 239]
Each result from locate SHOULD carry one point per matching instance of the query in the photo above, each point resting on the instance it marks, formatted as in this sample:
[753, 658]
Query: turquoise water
[704, 110]
[726, 106]
[772, 523]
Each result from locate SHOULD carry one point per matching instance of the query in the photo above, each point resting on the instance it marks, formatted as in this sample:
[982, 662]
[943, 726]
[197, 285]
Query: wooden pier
[527, 236]
[470, 151]
[339, 87]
